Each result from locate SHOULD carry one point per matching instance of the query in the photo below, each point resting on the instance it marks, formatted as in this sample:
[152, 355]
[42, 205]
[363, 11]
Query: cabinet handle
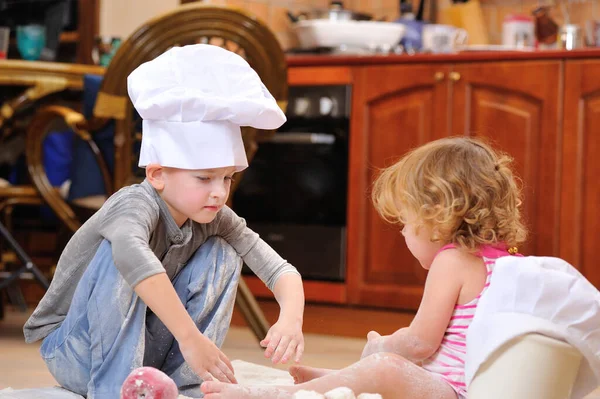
[439, 76]
[454, 76]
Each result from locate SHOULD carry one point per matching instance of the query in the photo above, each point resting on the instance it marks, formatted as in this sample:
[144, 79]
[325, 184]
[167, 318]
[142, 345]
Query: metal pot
[335, 12]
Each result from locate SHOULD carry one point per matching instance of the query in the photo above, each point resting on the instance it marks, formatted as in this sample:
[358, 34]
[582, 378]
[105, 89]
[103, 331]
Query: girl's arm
[424, 335]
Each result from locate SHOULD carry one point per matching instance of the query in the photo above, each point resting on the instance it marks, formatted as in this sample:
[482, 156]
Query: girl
[458, 202]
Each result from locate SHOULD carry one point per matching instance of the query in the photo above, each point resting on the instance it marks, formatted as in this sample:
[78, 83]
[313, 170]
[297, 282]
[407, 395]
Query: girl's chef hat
[538, 295]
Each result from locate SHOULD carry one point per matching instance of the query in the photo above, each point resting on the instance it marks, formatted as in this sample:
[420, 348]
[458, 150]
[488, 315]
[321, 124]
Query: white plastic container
[518, 31]
[528, 367]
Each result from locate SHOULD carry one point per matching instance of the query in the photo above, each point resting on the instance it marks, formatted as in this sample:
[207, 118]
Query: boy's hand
[284, 341]
[206, 359]
[376, 343]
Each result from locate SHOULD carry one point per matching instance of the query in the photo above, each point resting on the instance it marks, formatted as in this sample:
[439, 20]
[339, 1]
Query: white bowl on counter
[369, 35]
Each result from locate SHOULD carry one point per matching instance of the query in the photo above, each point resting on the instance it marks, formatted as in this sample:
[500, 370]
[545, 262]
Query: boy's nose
[219, 191]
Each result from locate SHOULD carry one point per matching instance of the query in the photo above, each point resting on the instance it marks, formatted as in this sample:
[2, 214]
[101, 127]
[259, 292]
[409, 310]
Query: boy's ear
[155, 175]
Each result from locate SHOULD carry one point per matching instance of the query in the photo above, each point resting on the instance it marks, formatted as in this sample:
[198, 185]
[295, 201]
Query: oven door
[294, 197]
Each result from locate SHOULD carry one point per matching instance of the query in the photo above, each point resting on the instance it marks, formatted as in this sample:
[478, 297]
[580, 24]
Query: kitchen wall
[115, 21]
[273, 12]
[120, 18]
[494, 11]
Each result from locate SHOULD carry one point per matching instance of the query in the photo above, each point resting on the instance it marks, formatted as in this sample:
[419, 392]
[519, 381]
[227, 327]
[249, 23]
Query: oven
[294, 193]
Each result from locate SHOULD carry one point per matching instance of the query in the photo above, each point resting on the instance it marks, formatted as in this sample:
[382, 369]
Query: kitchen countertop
[306, 60]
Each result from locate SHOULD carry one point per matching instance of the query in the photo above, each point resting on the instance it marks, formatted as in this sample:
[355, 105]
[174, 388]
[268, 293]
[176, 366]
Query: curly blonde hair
[460, 187]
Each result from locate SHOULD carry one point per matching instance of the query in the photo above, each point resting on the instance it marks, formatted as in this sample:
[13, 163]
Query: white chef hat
[542, 295]
[193, 101]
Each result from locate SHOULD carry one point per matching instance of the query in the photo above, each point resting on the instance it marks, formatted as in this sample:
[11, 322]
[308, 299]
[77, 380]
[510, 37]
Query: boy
[151, 278]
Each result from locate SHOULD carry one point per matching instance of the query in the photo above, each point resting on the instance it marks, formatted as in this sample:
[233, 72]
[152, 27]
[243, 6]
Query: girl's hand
[284, 341]
[376, 343]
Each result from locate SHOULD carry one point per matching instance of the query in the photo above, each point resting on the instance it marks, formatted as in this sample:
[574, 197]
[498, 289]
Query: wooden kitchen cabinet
[580, 201]
[395, 108]
[517, 106]
[542, 108]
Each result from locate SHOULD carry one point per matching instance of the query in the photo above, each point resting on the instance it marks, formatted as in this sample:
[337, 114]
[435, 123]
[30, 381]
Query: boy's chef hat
[193, 101]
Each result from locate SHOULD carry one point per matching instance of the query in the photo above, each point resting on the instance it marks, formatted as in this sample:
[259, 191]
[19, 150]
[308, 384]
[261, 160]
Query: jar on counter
[570, 37]
[518, 31]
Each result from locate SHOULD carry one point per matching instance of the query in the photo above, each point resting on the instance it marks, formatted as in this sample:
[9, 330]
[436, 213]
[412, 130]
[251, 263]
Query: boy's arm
[127, 221]
[200, 353]
[289, 294]
[284, 340]
[257, 254]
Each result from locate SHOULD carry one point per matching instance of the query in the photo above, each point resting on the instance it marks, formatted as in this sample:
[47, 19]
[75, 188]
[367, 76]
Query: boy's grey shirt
[145, 241]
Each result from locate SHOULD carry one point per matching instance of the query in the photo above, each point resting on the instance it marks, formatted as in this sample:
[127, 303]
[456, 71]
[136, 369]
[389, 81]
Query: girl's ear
[155, 174]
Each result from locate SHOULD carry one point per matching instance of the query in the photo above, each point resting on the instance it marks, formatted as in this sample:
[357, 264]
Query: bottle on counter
[546, 30]
[412, 40]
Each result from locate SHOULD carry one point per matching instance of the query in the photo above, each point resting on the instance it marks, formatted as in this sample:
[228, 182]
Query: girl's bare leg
[384, 373]
[304, 373]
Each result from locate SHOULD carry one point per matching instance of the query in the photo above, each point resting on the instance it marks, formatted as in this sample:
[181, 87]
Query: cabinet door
[580, 205]
[516, 105]
[395, 108]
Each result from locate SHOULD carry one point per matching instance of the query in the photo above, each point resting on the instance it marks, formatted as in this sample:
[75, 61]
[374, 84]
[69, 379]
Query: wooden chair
[11, 196]
[192, 23]
[39, 80]
[33, 84]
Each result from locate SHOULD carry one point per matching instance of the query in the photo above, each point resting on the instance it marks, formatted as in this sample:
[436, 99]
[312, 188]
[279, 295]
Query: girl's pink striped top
[449, 360]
